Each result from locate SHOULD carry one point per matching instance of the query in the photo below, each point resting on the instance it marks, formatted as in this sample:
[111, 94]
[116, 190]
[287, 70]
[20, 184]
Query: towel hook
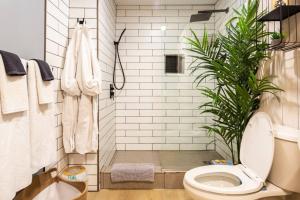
[81, 21]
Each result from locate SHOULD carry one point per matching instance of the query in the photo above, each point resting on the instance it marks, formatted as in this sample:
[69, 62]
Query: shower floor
[170, 167]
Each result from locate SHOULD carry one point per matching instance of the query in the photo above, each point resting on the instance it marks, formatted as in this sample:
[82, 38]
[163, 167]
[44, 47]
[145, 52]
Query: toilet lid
[257, 146]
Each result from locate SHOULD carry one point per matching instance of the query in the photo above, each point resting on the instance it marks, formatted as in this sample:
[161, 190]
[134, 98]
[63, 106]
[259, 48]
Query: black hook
[81, 21]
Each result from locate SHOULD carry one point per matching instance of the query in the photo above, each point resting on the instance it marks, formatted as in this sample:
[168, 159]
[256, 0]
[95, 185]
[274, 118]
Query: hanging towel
[69, 122]
[12, 63]
[88, 70]
[71, 92]
[89, 80]
[86, 136]
[15, 167]
[41, 118]
[68, 81]
[13, 91]
[45, 70]
[83, 136]
[44, 88]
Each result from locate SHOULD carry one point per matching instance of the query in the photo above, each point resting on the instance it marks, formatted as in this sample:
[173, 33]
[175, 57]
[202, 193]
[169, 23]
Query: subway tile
[127, 140]
[166, 147]
[152, 19]
[138, 13]
[138, 147]
[179, 140]
[159, 109]
[83, 3]
[151, 140]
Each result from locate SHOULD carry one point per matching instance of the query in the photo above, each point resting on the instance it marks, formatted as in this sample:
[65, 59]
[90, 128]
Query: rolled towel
[12, 64]
[45, 70]
[13, 91]
[137, 172]
[45, 89]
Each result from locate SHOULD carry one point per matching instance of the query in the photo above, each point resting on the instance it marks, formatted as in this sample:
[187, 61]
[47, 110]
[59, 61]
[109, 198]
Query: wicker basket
[42, 181]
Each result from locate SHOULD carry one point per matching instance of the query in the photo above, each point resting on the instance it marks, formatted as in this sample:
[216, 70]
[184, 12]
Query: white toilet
[259, 156]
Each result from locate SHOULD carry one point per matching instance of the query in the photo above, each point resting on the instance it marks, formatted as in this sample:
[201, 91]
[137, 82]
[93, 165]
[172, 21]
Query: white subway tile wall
[88, 10]
[107, 122]
[158, 111]
[57, 17]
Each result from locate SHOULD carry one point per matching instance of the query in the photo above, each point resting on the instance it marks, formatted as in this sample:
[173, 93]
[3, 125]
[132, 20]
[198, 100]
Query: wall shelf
[284, 20]
[280, 13]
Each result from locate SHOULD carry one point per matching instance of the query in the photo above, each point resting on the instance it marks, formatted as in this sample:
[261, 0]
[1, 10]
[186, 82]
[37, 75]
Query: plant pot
[277, 42]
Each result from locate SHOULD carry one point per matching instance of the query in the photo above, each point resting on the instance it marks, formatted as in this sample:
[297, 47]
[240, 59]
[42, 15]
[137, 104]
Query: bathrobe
[41, 117]
[15, 163]
[89, 81]
[71, 92]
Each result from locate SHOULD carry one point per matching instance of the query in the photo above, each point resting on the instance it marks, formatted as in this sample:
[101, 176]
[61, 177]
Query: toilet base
[270, 193]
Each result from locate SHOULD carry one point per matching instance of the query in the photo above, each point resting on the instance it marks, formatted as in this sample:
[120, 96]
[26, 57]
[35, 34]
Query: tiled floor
[139, 195]
[170, 167]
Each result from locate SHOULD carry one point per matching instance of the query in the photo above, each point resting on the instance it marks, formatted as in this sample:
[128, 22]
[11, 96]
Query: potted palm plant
[232, 60]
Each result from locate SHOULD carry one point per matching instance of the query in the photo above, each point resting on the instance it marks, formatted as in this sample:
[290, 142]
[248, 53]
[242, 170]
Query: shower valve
[111, 91]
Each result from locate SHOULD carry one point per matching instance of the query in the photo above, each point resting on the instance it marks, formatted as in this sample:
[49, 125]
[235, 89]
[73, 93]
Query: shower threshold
[170, 167]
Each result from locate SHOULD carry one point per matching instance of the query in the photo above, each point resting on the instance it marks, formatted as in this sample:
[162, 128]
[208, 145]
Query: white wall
[56, 42]
[106, 34]
[158, 111]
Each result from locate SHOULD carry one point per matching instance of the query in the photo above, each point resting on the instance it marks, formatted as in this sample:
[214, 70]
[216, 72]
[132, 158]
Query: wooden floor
[159, 194]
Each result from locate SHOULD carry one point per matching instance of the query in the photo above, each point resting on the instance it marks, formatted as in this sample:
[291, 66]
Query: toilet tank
[285, 172]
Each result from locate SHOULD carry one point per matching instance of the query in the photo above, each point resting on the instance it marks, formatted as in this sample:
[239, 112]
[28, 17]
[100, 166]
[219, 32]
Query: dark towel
[45, 70]
[12, 64]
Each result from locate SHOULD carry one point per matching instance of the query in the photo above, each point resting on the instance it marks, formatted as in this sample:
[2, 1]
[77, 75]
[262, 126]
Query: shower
[204, 15]
[117, 56]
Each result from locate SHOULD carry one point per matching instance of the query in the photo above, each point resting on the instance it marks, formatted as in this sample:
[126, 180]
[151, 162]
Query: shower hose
[117, 56]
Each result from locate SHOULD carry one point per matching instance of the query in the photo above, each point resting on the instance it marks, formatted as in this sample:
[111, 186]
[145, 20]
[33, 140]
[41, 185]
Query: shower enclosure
[155, 117]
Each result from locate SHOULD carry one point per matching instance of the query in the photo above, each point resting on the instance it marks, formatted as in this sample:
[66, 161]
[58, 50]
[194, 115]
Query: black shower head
[204, 15]
[201, 17]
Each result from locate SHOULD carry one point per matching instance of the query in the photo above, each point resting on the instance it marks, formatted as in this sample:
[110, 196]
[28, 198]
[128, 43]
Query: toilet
[264, 150]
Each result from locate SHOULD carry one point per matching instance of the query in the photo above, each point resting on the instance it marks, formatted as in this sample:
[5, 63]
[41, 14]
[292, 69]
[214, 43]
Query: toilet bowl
[246, 180]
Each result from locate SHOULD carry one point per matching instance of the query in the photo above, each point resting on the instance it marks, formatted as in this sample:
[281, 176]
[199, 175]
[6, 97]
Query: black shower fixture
[204, 15]
[117, 56]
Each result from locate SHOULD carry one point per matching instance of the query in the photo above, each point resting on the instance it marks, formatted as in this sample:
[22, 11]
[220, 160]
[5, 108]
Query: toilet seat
[256, 155]
[246, 185]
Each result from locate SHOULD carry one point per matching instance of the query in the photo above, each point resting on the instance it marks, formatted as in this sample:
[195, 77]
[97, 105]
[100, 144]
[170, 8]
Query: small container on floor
[74, 174]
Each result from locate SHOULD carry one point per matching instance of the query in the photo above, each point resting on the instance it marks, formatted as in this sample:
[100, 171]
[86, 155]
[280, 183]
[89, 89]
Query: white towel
[83, 136]
[89, 80]
[15, 167]
[44, 88]
[69, 121]
[88, 69]
[41, 117]
[137, 172]
[13, 92]
[68, 82]
[71, 92]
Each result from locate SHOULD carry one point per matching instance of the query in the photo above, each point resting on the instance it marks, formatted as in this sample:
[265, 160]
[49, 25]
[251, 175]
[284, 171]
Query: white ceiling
[165, 2]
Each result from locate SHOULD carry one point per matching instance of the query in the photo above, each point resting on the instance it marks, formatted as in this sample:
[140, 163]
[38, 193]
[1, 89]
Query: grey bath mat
[138, 172]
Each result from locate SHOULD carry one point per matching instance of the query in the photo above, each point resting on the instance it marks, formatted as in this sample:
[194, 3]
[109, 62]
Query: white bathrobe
[71, 92]
[15, 164]
[41, 117]
[89, 80]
